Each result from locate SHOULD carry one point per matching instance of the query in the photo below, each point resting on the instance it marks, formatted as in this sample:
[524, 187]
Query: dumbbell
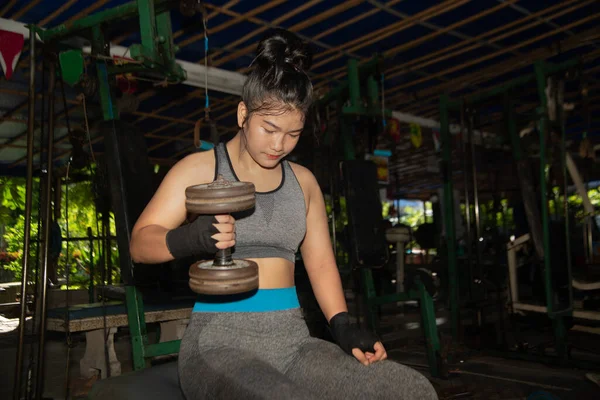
[223, 275]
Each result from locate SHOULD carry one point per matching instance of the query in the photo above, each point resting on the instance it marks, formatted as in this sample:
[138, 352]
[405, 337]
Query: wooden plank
[237, 19]
[112, 321]
[243, 39]
[439, 56]
[497, 53]
[382, 33]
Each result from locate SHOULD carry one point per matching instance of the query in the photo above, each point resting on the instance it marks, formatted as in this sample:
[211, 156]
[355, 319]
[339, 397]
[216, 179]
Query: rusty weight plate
[206, 278]
[220, 197]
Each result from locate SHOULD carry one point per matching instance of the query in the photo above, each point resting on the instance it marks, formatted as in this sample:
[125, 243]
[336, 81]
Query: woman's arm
[317, 251]
[166, 210]
[325, 280]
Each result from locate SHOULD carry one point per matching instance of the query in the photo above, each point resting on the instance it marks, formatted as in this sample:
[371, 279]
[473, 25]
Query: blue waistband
[255, 301]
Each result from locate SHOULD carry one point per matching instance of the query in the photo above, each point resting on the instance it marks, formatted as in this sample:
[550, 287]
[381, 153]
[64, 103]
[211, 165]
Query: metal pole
[464, 140]
[563, 158]
[39, 387]
[475, 196]
[92, 272]
[449, 214]
[354, 83]
[28, 201]
[543, 114]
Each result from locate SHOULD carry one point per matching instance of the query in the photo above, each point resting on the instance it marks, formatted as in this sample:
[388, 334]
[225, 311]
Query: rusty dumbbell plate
[220, 197]
[206, 278]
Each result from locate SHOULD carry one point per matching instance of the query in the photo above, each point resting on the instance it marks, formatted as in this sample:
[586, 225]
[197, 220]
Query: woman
[256, 345]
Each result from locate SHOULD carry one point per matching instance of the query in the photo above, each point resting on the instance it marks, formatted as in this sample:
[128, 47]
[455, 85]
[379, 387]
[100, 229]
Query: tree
[77, 214]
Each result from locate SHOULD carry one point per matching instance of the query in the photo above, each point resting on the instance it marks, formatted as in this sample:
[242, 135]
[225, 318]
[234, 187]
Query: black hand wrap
[349, 336]
[193, 239]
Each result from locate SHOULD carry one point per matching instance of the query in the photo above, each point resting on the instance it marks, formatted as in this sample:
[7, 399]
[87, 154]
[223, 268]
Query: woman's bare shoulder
[305, 177]
[194, 169]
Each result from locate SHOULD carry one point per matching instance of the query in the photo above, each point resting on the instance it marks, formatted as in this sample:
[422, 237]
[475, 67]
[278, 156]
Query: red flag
[11, 44]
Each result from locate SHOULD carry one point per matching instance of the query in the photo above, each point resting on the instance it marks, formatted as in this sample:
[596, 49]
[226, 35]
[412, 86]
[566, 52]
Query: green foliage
[412, 216]
[75, 257]
[81, 216]
[12, 199]
[491, 216]
[14, 237]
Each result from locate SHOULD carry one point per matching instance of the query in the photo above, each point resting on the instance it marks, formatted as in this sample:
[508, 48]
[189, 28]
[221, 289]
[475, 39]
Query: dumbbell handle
[223, 257]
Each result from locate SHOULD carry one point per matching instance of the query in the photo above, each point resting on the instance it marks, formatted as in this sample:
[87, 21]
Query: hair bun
[280, 47]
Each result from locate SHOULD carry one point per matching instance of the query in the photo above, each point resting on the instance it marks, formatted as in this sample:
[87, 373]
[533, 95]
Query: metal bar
[364, 69]
[449, 214]
[475, 195]
[428, 320]
[435, 27]
[563, 158]
[515, 83]
[125, 11]
[147, 20]
[524, 175]
[99, 46]
[27, 226]
[91, 244]
[166, 48]
[39, 386]
[512, 275]
[548, 21]
[392, 298]
[371, 299]
[353, 82]
[137, 326]
[345, 136]
[540, 77]
[467, 199]
[163, 349]
[373, 93]
[108, 238]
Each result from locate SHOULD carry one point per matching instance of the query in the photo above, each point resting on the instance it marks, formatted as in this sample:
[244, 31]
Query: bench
[98, 320]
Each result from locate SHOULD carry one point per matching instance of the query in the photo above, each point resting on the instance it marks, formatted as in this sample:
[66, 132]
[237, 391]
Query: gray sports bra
[277, 225]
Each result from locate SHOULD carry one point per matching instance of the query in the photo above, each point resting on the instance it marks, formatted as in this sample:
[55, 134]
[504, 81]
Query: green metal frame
[449, 218]
[156, 54]
[428, 320]
[541, 71]
[141, 350]
[348, 99]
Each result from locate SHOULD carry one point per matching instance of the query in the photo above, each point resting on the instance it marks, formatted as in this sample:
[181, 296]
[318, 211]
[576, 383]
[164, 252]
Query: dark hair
[278, 81]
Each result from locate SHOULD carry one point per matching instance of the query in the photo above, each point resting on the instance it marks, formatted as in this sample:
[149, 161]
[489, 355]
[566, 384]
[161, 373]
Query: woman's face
[270, 137]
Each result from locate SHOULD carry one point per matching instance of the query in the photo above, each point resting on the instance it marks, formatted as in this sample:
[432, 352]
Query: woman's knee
[406, 381]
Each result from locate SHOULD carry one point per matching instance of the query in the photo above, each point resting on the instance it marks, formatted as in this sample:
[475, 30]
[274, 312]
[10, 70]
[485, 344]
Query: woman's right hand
[226, 236]
[204, 235]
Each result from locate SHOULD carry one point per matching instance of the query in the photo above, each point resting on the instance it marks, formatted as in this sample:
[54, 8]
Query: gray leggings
[270, 355]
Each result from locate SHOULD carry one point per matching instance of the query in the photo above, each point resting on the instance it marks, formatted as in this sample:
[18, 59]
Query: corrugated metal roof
[429, 48]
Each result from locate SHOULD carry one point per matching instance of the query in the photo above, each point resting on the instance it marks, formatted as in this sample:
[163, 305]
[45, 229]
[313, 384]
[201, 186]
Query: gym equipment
[399, 236]
[368, 231]
[223, 275]
[154, 57]
[363, 206]
[552, 251]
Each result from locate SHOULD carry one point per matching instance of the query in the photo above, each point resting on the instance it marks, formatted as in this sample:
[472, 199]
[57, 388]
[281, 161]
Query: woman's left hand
[368, 358]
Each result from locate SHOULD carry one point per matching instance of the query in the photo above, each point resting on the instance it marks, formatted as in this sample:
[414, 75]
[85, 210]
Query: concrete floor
[477, 376]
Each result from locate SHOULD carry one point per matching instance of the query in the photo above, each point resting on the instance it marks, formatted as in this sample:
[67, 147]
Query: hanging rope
[206, 98]
[383, 120]
[198, 144]
[68, 274]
